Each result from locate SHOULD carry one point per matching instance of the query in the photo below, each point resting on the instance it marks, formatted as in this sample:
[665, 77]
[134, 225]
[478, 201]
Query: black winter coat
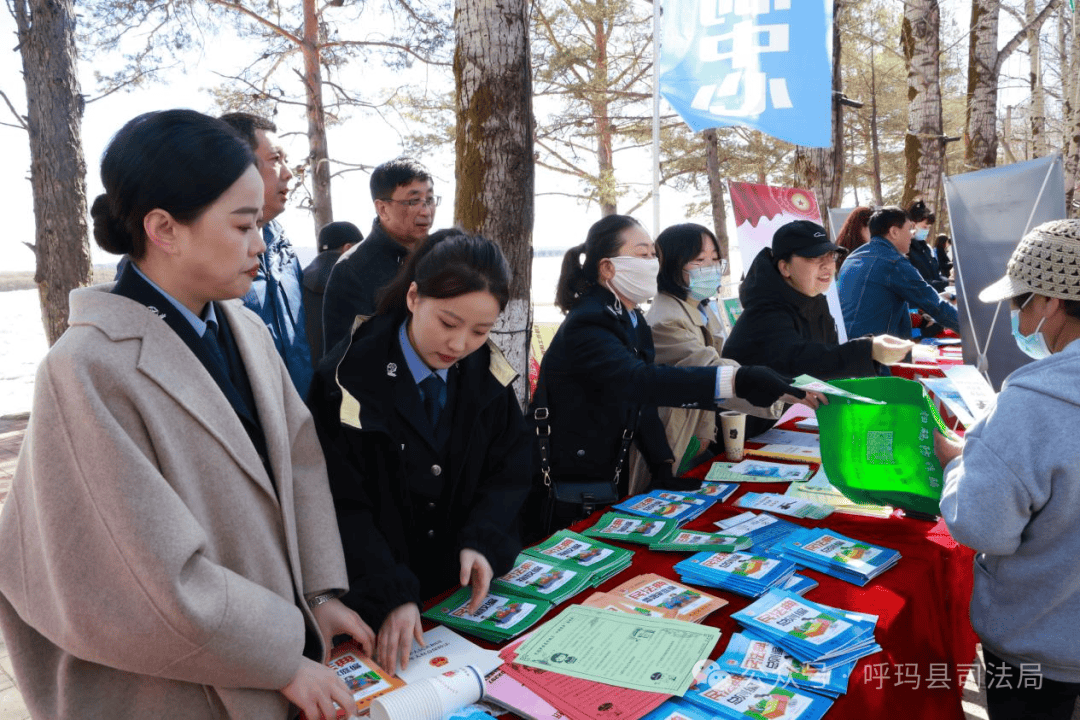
[923, 259]
[316, 275]
[377, 441]
[600, 379]
[792, 333]
[364, 270]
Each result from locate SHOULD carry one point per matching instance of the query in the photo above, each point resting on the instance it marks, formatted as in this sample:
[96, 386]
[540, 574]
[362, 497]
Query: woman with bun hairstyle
[598, 383]
[687, 333]
[425, 442]
[170, 547]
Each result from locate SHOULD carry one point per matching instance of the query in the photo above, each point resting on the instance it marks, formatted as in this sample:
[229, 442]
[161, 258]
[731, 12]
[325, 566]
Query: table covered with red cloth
[928, 646]
[922, 603]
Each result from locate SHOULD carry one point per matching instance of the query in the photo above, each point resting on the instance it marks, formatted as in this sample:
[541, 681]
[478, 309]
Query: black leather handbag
[567, 500]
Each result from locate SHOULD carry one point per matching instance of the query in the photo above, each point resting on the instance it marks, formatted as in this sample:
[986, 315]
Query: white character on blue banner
[764, 64]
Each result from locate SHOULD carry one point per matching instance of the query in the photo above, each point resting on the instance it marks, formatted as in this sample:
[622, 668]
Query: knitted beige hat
[1046, 262]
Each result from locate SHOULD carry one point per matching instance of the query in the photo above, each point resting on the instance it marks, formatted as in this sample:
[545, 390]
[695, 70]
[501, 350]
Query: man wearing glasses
[404, 196]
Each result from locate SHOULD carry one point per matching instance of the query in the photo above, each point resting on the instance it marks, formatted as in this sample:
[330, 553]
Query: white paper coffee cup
[733, 428]
[431, 698]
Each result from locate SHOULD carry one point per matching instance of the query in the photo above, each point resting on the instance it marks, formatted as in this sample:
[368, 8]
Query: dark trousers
[1014, 693]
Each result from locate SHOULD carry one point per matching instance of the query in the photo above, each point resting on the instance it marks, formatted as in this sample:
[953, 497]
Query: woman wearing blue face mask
[920, 253]
[687, 333]
[1012, 488]
[599, 389]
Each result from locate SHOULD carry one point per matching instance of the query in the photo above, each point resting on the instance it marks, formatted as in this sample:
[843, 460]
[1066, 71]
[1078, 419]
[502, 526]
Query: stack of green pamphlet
[631, 528]
[603, 561]
[561, 567]
[501, 615]
[695, 541]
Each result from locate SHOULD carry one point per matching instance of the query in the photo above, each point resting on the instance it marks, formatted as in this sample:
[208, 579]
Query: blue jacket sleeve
[909, 284]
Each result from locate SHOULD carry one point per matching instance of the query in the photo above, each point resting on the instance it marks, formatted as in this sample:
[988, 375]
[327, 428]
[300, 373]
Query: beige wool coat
[150, 566]
[684, 339]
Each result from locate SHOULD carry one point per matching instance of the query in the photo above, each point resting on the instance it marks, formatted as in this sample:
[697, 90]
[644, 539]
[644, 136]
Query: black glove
[762, 386]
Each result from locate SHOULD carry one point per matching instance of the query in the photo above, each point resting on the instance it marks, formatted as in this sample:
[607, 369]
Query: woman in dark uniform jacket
[598, 379]
[427, 480]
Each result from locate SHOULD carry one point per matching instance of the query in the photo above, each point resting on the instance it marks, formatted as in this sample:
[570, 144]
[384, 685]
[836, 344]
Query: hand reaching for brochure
[475, 571]
[762, 386]
[315, 688]
[889, 350]
[336, 619]
[398, 631]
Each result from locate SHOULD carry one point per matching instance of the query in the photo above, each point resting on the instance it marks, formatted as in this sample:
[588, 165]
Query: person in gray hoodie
[1012, 489]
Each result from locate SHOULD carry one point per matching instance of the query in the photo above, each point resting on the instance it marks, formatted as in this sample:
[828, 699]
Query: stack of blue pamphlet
[678, 709]
[854, 561]
[799, 584]
[718, 491]
[746, 573]
[763, 530]
[728, 696]
[809, 631]
[748, 654]
[666, 505]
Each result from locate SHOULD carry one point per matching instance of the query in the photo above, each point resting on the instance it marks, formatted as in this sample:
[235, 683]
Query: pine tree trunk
[494, 167]
[57, 168]
[980, 130]
[1038, 96]
[924, 148]
[716, 192]
[822, 169]
[1071, 113]
[608, 190]
[318, 153]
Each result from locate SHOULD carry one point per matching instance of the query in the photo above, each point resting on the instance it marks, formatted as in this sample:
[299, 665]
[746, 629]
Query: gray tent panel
[989, 211]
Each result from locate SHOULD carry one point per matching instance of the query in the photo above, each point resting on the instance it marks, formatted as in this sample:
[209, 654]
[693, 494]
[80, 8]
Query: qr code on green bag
[879, 447]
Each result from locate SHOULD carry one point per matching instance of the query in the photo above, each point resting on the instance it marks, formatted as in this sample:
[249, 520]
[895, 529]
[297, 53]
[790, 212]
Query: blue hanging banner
[764, 64]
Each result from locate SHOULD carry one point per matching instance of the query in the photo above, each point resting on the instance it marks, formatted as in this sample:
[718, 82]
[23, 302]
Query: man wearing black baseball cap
[334, 239]
[786, 323]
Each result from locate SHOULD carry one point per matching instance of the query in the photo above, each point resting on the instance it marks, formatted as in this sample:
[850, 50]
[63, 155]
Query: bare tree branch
[259, 19]
[22, 122]
[1021, 35]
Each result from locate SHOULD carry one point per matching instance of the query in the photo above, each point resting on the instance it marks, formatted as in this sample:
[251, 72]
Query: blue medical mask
[704, 281]
[1033, 345]
[922, 233]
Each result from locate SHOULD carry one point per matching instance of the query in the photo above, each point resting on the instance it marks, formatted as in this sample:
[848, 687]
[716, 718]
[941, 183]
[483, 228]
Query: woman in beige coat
[170, 547]
[687, 332]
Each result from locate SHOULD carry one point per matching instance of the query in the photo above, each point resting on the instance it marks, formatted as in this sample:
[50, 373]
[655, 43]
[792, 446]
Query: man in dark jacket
[334, 239]
[786, 323]
[405, 202]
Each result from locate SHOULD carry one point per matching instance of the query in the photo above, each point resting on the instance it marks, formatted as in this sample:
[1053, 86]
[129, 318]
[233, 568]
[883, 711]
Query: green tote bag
[883, 454]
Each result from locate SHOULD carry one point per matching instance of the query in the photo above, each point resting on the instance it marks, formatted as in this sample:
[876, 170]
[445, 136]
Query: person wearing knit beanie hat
[1012, 488]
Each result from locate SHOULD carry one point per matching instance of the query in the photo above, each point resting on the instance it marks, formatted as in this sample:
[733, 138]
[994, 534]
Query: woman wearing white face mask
[1012, 488]
[687, 333]
[599, 389]
[920, 253]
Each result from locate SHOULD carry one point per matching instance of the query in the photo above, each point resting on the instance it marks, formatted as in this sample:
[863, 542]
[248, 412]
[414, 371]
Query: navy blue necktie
[434, 391]
[213, 341]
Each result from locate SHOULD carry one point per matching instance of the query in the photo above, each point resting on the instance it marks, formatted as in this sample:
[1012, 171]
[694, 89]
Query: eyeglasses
[430, 202]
